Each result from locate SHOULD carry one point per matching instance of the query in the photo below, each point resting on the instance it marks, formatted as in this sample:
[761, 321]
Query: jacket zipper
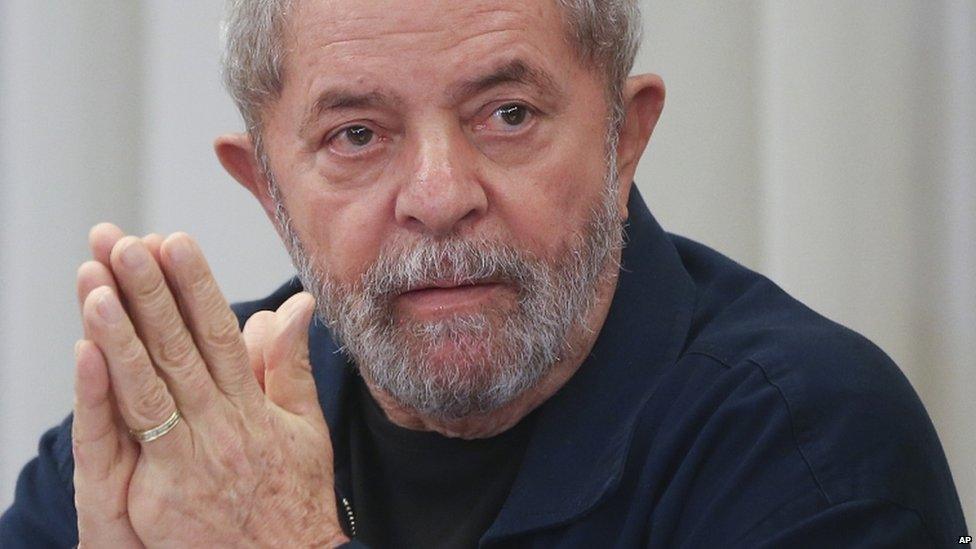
[350, 516]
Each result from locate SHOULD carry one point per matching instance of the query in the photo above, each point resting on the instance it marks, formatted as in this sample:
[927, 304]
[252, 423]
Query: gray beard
[468, 364]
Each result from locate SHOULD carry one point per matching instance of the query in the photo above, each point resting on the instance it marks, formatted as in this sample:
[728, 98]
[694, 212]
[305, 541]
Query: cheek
[343, 230]
[545, 203]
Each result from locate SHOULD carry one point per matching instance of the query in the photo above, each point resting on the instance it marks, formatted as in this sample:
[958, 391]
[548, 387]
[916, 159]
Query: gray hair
[605, 34]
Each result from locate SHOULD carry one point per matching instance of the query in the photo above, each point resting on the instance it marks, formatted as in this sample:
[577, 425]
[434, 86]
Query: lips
[434, 298]
[447, 284]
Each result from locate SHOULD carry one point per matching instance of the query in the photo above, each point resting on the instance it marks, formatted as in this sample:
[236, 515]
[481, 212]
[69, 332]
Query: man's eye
[359, 136]
[510, 117]
[513, 115]
[353, 140]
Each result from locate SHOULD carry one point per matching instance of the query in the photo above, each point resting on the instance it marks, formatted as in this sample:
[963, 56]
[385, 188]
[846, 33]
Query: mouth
[450, 284]
[442, 297]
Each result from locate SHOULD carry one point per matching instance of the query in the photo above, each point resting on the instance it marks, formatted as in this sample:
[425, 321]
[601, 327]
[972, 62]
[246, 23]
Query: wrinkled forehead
[421, 43]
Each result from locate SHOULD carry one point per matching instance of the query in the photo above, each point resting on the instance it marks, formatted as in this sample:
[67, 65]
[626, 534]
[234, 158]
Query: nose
[443, 191]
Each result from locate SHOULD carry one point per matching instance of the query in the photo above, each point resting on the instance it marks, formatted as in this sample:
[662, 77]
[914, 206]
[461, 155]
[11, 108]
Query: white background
[829, 144]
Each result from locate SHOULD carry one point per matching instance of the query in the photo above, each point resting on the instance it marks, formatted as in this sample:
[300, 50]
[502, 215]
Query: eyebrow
[342, 98]
[515, 71]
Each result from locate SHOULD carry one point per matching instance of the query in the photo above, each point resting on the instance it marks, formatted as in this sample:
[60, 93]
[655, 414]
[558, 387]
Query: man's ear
[643, 97]
[236, 154]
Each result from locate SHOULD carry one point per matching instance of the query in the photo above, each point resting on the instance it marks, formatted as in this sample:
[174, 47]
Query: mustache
[452, 262]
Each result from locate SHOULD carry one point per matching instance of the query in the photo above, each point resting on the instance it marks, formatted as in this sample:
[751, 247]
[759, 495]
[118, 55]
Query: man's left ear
[643, 97]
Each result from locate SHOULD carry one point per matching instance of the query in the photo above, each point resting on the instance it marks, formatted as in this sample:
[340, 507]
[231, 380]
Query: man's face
[443, 168]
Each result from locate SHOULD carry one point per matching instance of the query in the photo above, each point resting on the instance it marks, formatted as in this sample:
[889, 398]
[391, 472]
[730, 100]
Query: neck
[583, 337]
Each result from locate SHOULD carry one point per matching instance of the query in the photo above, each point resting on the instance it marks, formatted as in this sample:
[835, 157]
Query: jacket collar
[582, 437]
[582, 434]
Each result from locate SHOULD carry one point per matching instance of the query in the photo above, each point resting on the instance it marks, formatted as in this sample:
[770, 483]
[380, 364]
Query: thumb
[255, 335]
[288, 378]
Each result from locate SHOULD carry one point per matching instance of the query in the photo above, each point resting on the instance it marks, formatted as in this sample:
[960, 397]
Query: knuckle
[214, 306]
[195, 382]
[176, 347]
[118, 514]
[201, 284]
[224, 336]
[154, 402]
[153, 295]
[131, 353]
[189, 376]
[78, 450]
[89, 464]
[205, 292]
[303, 365]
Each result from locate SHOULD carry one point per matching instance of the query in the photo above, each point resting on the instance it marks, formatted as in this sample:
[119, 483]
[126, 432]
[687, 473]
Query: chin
[460, 350]
[456, 368]
[465, 359]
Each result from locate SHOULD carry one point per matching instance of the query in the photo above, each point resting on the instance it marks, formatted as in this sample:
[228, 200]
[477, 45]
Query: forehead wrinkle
[358, 28]
[412, 40]
[354, 30]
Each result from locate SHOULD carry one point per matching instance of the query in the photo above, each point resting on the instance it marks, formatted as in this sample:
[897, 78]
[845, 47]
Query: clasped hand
[250, 464]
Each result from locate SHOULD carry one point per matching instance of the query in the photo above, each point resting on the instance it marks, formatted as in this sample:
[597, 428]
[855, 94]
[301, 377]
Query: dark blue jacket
[713, 411]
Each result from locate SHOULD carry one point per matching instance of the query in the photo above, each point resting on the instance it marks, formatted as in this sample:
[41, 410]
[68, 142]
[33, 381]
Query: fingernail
[178, 250]
[134, 256]
[77, 349]
[109, 307]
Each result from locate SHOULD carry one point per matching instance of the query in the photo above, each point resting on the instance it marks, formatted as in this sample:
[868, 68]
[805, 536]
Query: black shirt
[422, 489]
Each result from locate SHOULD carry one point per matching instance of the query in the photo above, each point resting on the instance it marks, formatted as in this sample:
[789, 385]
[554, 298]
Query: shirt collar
[582, 434]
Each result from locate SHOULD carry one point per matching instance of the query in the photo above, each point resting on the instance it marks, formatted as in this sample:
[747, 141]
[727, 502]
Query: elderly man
[511, 352]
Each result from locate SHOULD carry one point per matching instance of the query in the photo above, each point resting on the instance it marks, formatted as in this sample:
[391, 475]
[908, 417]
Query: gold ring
[150, 435]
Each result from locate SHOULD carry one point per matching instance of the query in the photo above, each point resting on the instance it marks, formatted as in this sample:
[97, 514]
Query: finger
[256, 331]
[101, 240]
[210, 319]
[153, 242]
[161, 328]
[91, 275]
[288, 373]
[103, 457]
[142, 396]
[94, 433]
